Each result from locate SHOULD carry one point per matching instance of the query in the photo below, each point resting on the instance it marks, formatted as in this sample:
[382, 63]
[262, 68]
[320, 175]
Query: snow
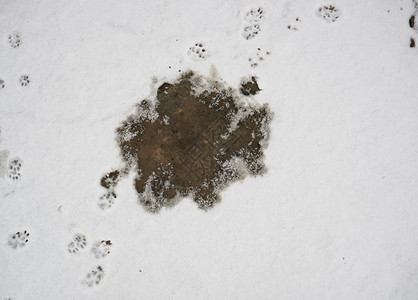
[334, 217]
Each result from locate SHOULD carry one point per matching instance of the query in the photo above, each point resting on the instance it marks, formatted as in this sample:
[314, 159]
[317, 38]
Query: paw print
[107, 200]
[79, 242]
[250, 31]
[94, 277]
[110, 180]
[101, 249]
[254, 15]
[15, 39]
[329, 13]
[197, 51]
[14, 169]
[253, 23]
[24, 80]
[2, 85]
[259, 57]
[19, 239]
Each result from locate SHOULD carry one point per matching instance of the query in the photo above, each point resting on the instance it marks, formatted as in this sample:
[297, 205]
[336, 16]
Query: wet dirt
[195, 138]
[249, 87]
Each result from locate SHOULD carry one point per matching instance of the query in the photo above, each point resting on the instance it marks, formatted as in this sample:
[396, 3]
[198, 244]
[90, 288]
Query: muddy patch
[195, 138]
[249, 86]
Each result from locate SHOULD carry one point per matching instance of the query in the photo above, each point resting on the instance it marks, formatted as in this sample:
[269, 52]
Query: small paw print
[253, 23]
[107, 200]
[24, 80]
[15, 39]
[329, 13]
[15, 166]
[254, 15]
[79, 242]
[94, 277]
[250, 31]
[255, 61]
[19, 239]
[2, 85]
[198, 51]
[101, 249]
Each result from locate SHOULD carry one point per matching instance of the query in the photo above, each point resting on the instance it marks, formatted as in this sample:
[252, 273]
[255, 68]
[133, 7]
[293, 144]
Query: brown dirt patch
[249, 87]
[194, 139]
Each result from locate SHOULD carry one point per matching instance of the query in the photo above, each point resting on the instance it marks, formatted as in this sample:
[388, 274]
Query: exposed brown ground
[183, 144]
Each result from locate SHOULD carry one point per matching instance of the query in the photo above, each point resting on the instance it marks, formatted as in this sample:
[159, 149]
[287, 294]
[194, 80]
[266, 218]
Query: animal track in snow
[109, 181]
[15, 39]
[2, 85]
[251, 30]
[24, 80]
[107, 200]
[258, 58]
[15, 169]
[198, 51]
[101, 249]
[94, 277]
[78, 242]
[19, 239]
[329, 13]
[253, 23]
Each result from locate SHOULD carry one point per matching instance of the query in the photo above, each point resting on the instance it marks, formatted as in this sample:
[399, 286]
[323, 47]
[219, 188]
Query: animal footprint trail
[198, 51]
[258, 58]
[329, 13]
[107, 200]
[19, 239]
[24, 80]
[109, 181]
[252, 25]
[78, 242]
[101, 249]
[94, 277]
[15, 40]
[15, 166]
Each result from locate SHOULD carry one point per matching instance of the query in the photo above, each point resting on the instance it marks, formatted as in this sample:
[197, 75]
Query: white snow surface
[334, 217]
